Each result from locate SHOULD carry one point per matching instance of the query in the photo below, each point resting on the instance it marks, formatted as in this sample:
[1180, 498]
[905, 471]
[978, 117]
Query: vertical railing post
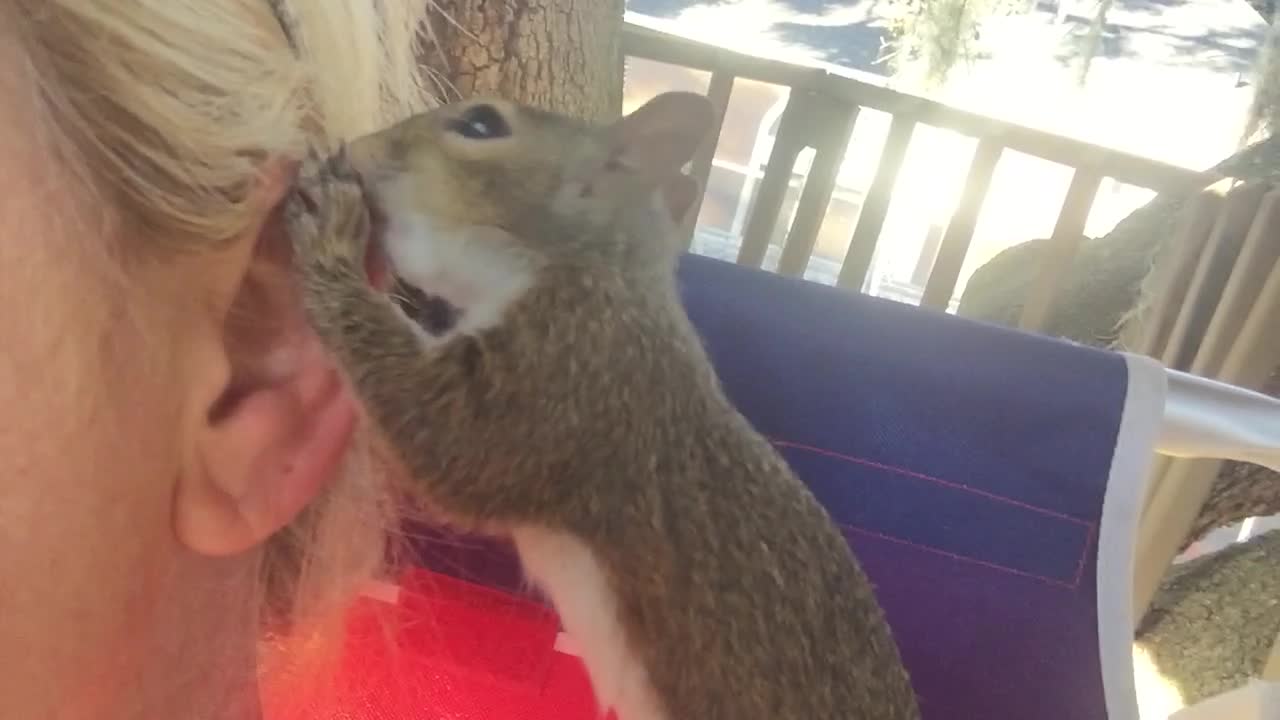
[875, 207]
[718, 92]
[831, 125]
[1068, 233]
[1236, 344]
[959, 235]
[1211, 274]
[787, 144]
[1147, 330]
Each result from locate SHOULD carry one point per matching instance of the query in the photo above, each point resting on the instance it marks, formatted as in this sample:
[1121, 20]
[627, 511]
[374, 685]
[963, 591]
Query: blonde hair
[166, 110]
[171, 105]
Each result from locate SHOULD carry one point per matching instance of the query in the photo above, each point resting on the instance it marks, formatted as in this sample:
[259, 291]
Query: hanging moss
[934, 36]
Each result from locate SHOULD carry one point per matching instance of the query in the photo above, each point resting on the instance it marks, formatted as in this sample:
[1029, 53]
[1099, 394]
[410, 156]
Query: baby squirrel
[568, 403]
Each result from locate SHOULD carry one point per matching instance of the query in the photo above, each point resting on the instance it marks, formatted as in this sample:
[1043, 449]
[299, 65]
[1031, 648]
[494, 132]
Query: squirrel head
[557, 188]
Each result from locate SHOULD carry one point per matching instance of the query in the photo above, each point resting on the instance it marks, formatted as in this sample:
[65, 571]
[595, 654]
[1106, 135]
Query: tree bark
[558, 55]
[1103, 287]
[1211, 626]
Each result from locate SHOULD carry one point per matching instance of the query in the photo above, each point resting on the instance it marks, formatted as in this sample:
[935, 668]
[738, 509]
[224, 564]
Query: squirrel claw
[326, 213]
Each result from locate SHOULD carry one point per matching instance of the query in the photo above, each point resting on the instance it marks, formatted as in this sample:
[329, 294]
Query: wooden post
[1237, 346]
[834, 130]
[1068, 233]
[862, 246]
[955, 243]
[1209, 276]
[787, 144]
[1149, 330]
[718, 92]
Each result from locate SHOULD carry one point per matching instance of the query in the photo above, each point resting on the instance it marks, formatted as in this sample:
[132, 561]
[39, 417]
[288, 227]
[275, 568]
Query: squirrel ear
[661, 136]
[679, 193]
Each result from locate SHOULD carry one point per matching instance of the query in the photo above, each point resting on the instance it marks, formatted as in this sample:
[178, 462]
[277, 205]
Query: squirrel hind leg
[564, 568]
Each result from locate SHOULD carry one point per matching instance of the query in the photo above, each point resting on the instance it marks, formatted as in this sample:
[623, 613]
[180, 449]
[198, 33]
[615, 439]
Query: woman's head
[172, 442]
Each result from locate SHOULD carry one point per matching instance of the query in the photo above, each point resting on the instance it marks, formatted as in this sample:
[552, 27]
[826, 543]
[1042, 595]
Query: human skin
[150, 443]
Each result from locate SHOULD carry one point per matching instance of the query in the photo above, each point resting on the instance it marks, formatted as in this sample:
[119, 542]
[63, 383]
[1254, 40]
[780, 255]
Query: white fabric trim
[1122, 507]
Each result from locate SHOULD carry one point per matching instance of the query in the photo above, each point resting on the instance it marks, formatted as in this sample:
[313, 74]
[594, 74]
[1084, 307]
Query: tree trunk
[559, 55]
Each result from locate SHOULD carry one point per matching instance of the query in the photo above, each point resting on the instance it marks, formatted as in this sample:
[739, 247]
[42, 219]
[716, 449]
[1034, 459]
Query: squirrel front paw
[327, 217]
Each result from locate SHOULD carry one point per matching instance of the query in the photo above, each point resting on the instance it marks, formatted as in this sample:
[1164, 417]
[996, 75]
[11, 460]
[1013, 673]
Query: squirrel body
[571, 406]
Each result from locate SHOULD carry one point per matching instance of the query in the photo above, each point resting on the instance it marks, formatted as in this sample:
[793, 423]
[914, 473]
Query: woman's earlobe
[264, 454]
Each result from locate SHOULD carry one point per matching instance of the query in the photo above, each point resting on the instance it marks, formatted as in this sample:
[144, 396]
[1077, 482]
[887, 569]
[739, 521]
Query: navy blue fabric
[966, 464]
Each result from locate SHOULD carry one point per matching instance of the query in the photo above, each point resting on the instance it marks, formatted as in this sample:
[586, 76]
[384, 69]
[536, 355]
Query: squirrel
[565, 400]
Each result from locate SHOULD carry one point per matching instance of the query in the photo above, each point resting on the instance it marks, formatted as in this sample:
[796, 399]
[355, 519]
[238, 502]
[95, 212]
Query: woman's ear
[270, 416]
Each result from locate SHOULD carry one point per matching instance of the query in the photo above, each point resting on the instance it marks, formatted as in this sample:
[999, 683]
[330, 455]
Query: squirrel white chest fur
[459, 266]
[572, 577]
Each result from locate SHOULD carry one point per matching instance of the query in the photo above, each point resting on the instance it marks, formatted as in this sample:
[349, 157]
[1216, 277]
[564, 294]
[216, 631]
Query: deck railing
[820, 113]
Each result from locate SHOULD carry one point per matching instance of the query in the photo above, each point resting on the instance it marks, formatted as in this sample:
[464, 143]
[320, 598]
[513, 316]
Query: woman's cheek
[87, 461]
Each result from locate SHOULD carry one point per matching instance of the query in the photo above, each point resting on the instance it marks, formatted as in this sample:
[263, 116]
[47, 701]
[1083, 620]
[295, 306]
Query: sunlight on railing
[844, 181]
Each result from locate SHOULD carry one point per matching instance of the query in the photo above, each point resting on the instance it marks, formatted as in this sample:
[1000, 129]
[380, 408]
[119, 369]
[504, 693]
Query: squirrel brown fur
[571, 406]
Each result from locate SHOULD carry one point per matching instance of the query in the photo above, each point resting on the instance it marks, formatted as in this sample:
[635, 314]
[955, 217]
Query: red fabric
[450, 650]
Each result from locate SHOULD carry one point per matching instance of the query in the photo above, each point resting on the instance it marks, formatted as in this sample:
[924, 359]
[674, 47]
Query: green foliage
[934, 36]
[1264, 113]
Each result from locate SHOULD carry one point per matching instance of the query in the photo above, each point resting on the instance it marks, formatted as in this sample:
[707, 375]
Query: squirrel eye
[480, 122]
